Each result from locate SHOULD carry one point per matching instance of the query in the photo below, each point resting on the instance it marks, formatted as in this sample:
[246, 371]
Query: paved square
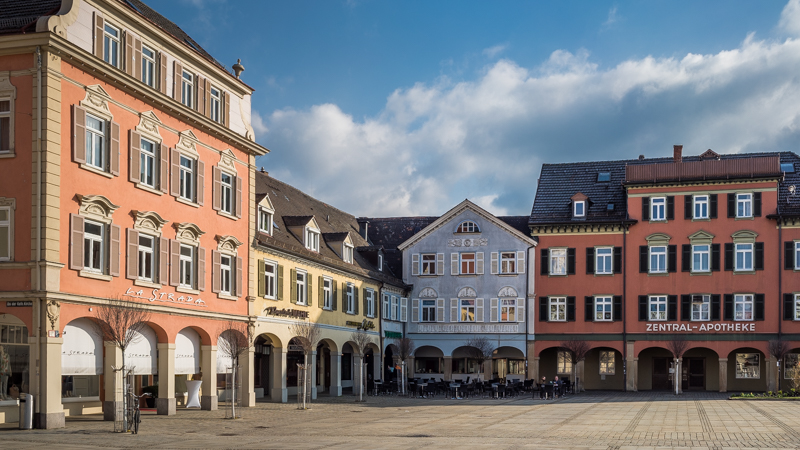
[587, 421]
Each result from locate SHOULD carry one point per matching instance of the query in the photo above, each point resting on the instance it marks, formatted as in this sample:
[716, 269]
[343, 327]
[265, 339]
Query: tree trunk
[124, 394]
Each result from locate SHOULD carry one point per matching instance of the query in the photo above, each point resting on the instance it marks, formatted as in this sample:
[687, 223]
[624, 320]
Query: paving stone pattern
[596, 420]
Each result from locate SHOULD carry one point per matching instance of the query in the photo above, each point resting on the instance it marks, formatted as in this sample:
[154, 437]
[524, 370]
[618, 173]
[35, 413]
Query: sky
[405, 108]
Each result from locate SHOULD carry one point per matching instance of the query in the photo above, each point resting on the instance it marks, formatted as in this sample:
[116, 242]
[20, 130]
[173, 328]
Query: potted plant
[150, 400]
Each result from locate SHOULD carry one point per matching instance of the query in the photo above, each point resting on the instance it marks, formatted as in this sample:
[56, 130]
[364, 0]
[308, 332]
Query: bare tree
[678, 347]
[778, 349]
[308, 335]
[121, 322]
[578, 349]
[236, 339]
[405, 348]
[480, 348]
[362, 341]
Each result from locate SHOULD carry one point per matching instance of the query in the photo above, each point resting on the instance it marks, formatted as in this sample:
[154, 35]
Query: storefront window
[516, 366]
[14, 359]
[564, 362]
[748, 365]
[81, 361]
[606, 362]
[427, 365]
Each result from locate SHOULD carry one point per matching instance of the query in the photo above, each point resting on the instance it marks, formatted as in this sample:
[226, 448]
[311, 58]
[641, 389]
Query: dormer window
[468, 226]
[579, 209]
[347, 253]
[380, 262]
[264, 221]
[312, 239]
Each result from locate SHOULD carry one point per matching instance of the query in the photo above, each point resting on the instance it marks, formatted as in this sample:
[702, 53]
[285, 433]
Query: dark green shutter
[589, 260]
[686, 258]
[588, 309]
[292, 286]
[759, 307]
[686, 307]
[309, 289]
[280, 283]
[262, 286]
[788, 255]
[321, 291]
[543, 313]
[672, 307]
[570, 309]
[643, 308]
[712, 207]
[617, 308]
[715, 306]
[687, 207]
[355, 300]
[334, 295]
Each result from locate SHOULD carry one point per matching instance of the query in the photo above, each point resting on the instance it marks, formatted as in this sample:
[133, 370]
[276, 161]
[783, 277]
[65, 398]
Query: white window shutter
[479, 310]
[479, 263]
[394, 310]
[415, 264]
[440, 264]
[453, 263]
[440, 310]
[520, 310]
[520, 262]
[453, 310]
[415, 310]
[493, 315]
[494, 263]
[403, 309]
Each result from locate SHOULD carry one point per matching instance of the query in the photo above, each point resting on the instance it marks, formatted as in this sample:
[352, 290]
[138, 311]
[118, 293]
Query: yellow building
[312, 264]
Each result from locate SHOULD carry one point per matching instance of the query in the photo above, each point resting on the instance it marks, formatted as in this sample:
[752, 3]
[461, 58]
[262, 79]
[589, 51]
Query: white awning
[187, 352]
[82, 350]
[142, 353]
[224, 360]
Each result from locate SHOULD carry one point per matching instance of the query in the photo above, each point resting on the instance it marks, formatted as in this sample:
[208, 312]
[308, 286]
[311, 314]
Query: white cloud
[491, 52]
[612, 18]
[790, 18]
[258, 124]
[436, 143]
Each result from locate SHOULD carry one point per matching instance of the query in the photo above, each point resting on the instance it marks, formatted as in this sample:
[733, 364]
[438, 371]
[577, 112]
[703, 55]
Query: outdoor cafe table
[378, 384]
[421, 388]
[455, 387]
[548, 389]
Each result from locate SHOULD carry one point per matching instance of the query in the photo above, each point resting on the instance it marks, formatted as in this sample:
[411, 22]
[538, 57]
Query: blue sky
[406, 108]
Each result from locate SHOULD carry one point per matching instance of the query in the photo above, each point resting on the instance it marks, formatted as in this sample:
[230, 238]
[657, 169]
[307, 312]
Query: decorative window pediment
[744, 236]
[467, 292]
[188, 233]
[658, 239]
[96, 102]
[96, 207]
[227, 161]
[507, 291]
[148, 126]
[701, 237]
[187, 143]
[428, 293]
[228, 243]
[266, 204]
[149, 222]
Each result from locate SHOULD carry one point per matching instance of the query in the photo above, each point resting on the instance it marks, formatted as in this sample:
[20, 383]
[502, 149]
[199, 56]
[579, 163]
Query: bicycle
[134, 414]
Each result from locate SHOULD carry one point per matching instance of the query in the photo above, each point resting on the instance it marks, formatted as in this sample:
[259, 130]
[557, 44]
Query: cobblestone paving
[586, 421]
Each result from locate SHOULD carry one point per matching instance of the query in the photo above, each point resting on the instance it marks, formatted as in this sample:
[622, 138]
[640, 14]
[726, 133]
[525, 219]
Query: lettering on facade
[17, 304]
[687, 328]
[77, 352]
[392, 335]
[482, 242]
[167, 297]
[462, 328]
[364, 325]
[294, 313]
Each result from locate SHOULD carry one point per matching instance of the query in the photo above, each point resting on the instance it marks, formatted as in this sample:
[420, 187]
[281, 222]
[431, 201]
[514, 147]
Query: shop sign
[295, 313]
[476, 328]
[295, 348]
[705, 328]
[392, 335]
[19, 303]
[364, 325]
[157, 295]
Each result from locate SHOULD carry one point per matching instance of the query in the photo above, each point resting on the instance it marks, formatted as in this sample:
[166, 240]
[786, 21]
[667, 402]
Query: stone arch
[274, 340]
[330, 343]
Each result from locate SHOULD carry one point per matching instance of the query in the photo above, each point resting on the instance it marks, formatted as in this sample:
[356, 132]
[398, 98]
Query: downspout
[39, 317]
[527, 305]
[624, 307]
[780, 288]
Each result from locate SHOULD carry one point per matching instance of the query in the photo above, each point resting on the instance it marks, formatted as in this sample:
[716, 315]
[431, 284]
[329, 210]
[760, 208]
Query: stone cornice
[578, 228]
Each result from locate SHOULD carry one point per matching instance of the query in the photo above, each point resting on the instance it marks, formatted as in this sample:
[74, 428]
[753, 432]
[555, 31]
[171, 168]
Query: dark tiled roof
[296, 221]
[788, 203]
[519, 223]
[335, 237]
[18, 14]
[292, 204]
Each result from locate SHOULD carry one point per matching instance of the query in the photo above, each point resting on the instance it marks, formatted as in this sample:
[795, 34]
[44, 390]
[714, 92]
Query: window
[5, 233]
[658, 208]
[428, 264]
[380, 262]
[701, 308]
[264, 221]
[700, 258]
[748, 365]
[187, 178]
[395, 313]
[468, 310]
[743, 307]
[93, 245]
[148, 67]
[215, 105]
[428, 311]
[508, 262]
[351, 298]
[225, 274]
[226, 193]
[95, 142]
[558, 309]
[347, 253]
[312, 239]
[300, 283]
[468, 226]
[270, 274]
[604, 176]
[147, 163]
[603, 260]
[700, 207]
[146, 247]
[603, 307]
[797, 255]
[797, 307]
[508, 310]
[111, 45]
[327, 294]
[744, 205]
[564, 364]
[370, 301]
[187, 266]
[744, 257]
[579, 209]
[658, 259]
[187, 89]
[607, 360]
[787, 167]
[558, 261]
[658, 307]
[467, 263]
[386, 310]
[5, 125]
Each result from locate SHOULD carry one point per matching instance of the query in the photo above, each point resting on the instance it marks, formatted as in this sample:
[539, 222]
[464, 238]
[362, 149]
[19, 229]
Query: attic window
[604, 176]
[468, 226]
[579, 208]
[787, 167]
[347, 253]
[312, 239]
[610, 207]
[380, 262]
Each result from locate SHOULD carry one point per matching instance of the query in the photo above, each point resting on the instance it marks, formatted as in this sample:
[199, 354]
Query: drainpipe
[624, 307]
[780, 289]
[39, 223]
[527, 305]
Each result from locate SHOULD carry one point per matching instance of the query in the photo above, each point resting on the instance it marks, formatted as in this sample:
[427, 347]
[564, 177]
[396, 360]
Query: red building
[669, 265]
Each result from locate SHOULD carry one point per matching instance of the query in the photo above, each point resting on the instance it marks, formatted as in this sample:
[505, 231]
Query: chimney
[641, 157]
[677, 153]
[363, 228]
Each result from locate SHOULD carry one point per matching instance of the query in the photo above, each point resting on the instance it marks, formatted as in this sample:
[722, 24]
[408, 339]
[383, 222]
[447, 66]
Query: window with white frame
[347, 253]
[579, 209]
[395, 313]
[468, 226]
[148, 67]
[701, 258]
[327, 293]
[467, 263]
[351, 298]
[386, 314]
[564, 362]
[797, 255]
[744, 257]
[380, 262]
[270, 276]
[225, 274]
[214, 112]
[147, 163]
[428, 311]
[607, 362]
[508, 310]
[5, 233]
[603, 260]
[187, 178]
[95, 142]
[146, 257]
[748, 365]
[508, 262]
[743, 307]
[558, 309]
[467, 310]
[700, 207]
[797, 307]
[603, 309]
[5, 125]
[658, 307]
[187, 266]
[111, 37]
[558, 261]
[264, 221]
[226, 192]
[312, 239]
[701, 308]
[187, 89]
[658, 208]
[744, 205]
[428, 264]
[370, 301]
[93, 246]
[300, 287]
[658, 259]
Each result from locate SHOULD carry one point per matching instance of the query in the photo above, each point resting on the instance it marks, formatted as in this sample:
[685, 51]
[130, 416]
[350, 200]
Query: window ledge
[467, 275]
[145, 283]
[705, 219]
[149, 189]
[95, 275]
[658, 274]
[269, 298]
[434, 276]
[701, 274]
[79, 399]
[658, 221]
[744, 272]
[227, 296]
[10, 264]
[7, 155]
[604, 274]
[187, 290]
[744, 218]
[186, 202]
[557, 275]
[96, 170]
[11, 402]
[508, 274]
[227, 215]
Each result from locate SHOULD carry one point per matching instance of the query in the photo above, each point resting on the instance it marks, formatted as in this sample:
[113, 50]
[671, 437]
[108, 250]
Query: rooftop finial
[238, 68]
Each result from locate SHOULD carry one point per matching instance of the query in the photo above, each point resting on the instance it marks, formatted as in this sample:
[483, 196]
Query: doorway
[661, 379]
[694, 374]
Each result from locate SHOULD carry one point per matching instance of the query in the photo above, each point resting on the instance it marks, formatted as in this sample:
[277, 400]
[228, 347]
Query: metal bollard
[25, 411]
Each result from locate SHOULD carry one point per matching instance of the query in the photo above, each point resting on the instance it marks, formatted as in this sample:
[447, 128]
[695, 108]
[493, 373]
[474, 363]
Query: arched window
[468, 226]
